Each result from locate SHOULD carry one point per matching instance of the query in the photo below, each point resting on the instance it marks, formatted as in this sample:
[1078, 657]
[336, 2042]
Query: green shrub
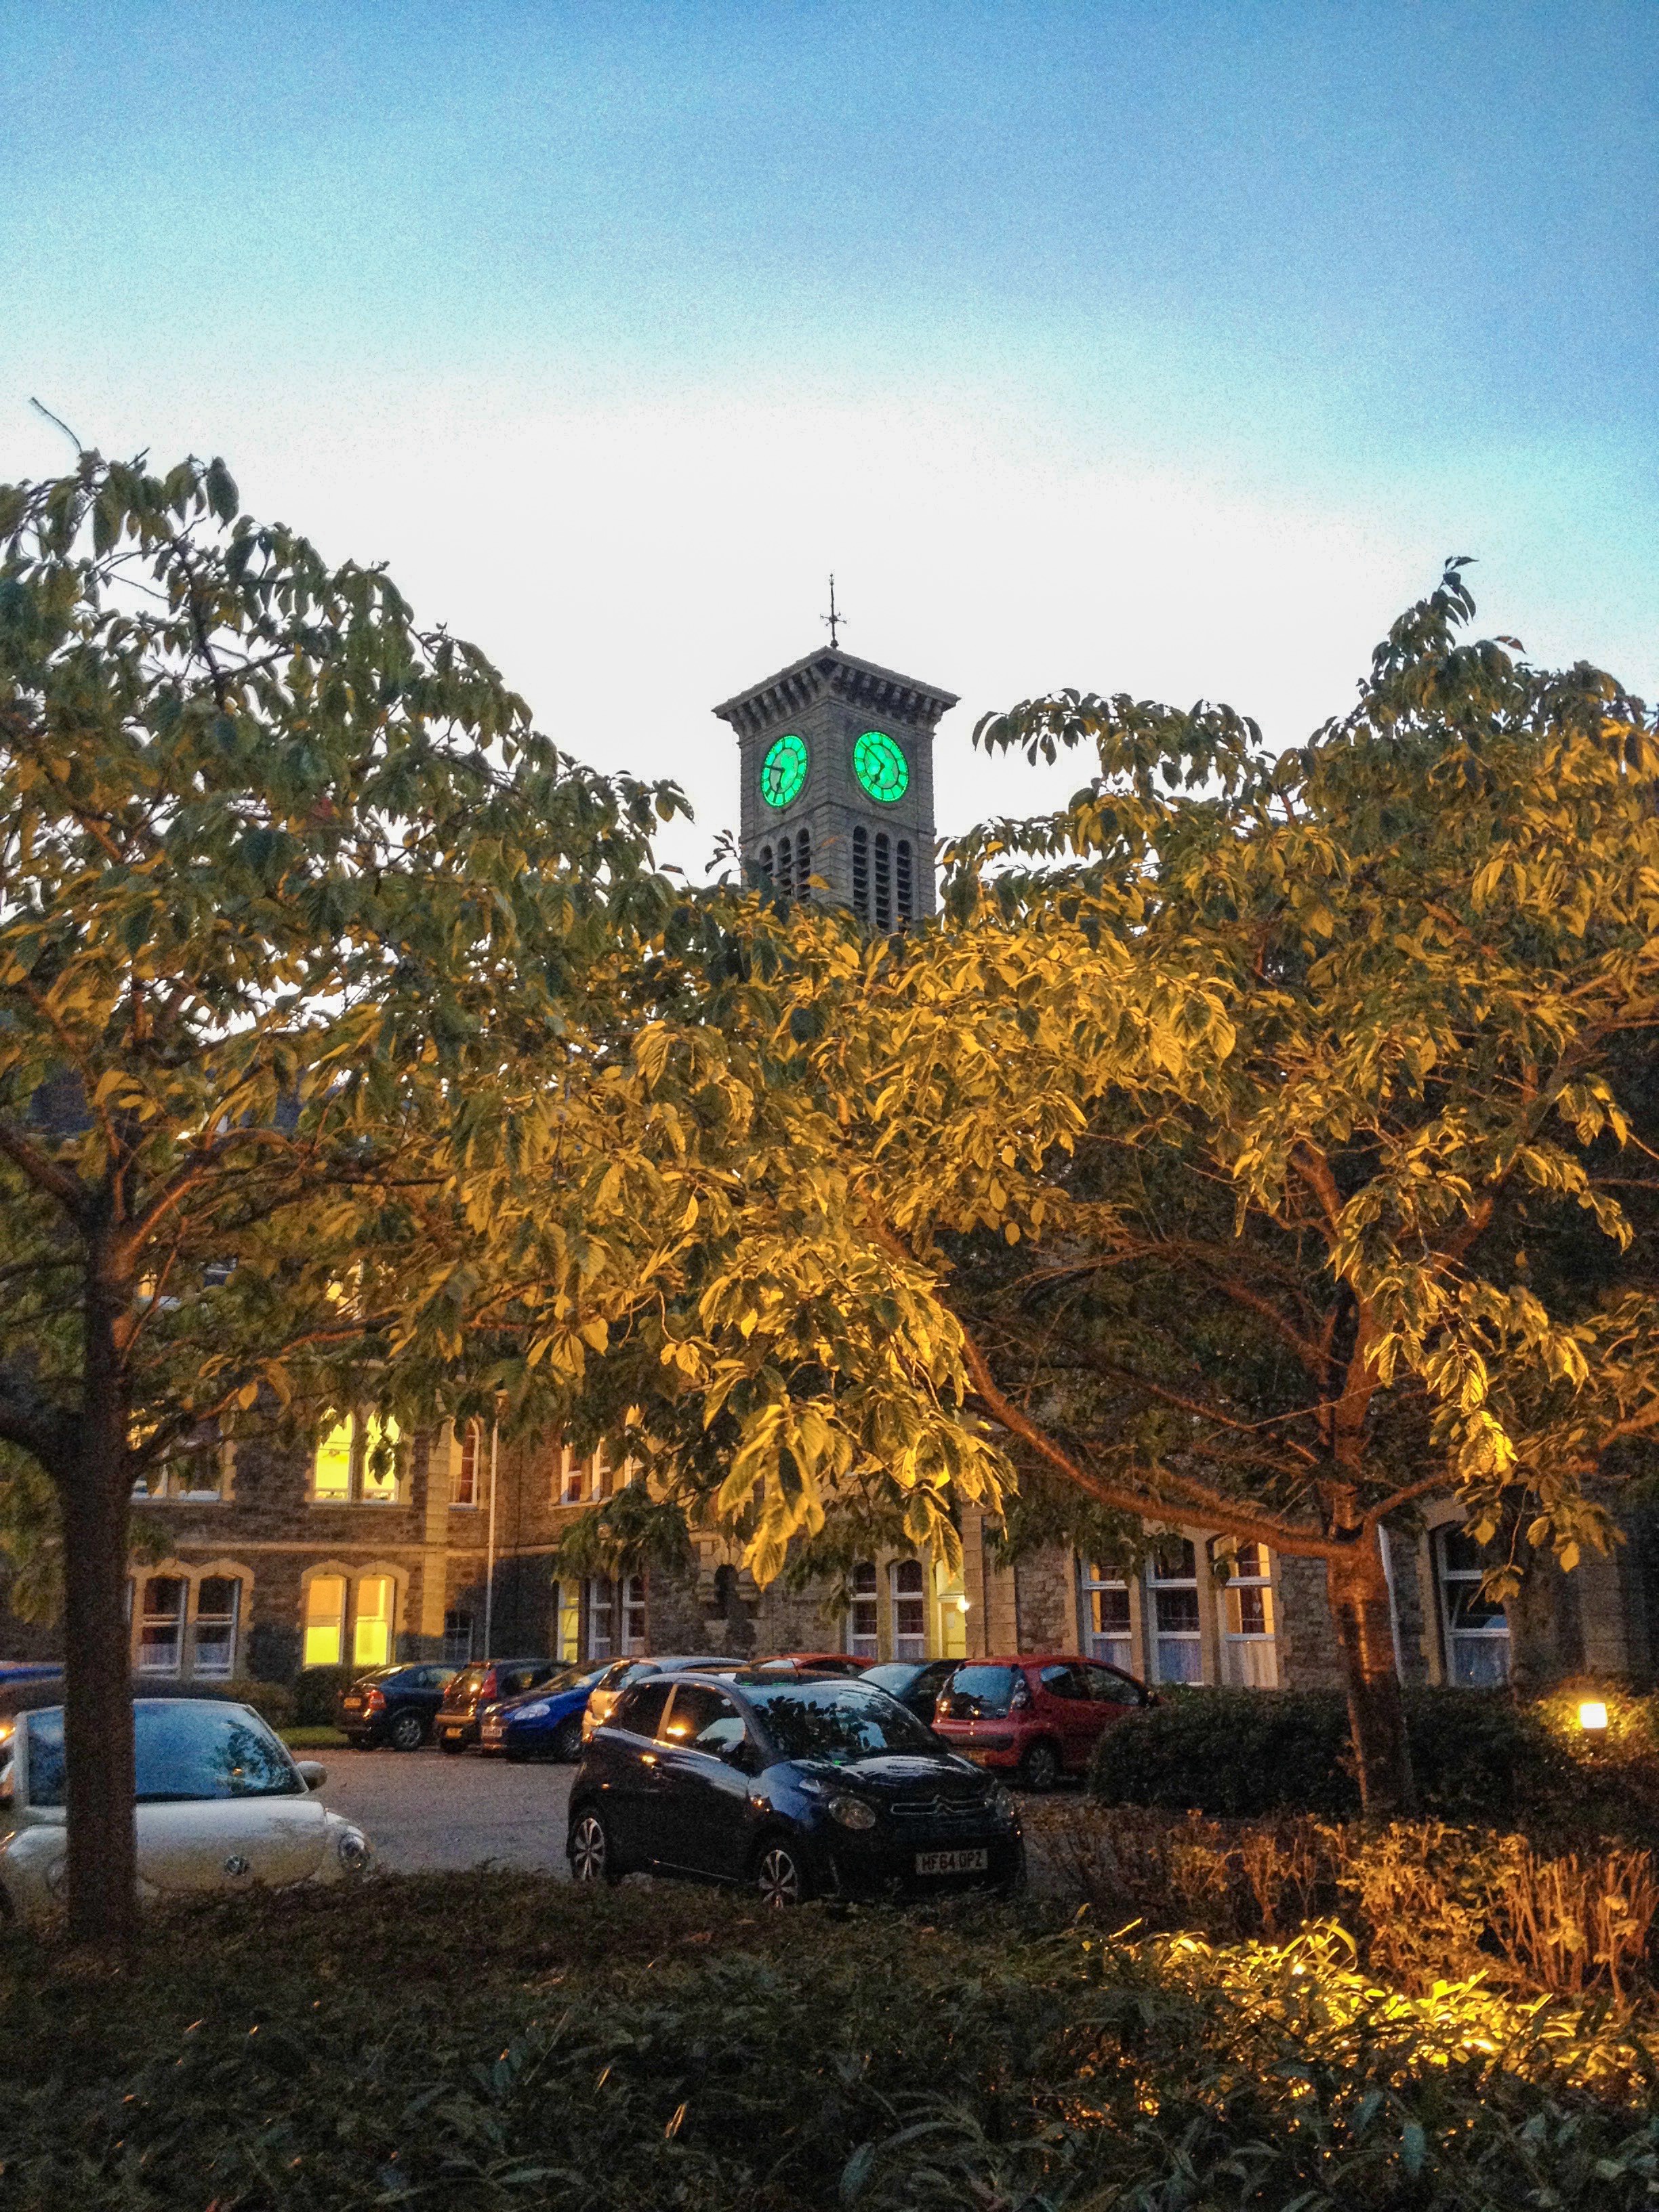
[316, 1693]
[1244, 1754]
[273, 1701]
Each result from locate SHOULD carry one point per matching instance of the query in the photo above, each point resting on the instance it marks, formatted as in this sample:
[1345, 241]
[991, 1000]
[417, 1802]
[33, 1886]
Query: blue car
[545, 1722]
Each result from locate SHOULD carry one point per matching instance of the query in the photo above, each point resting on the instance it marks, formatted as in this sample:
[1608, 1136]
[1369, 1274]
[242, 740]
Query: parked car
[916, 1683]
[396, 1706]
[486, 1682]
[796, 1787]
[621, 1671]
[219, 1805]
[545, 1722]
[1036, 1718]
[811, 1663]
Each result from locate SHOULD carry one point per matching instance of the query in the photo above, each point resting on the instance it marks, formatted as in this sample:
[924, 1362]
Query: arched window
[910, 1610]
[633, 1614]
[803, 860]
[213, 1631]
[1249, 1640]
[161, 1624]
[907, 884]
[1106, 1610]
[467, 1465]
[725, 1592]
[863, 1622]
[374, 1622]
[861, 872]
[785, 867]
[883, 880]
[325, 1620]
[1476, 1629]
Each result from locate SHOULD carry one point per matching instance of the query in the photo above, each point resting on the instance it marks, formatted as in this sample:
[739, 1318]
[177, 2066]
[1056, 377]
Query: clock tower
[838, 765]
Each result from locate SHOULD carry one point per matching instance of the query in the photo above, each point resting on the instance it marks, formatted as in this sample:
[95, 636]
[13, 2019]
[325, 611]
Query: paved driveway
[425, 1813]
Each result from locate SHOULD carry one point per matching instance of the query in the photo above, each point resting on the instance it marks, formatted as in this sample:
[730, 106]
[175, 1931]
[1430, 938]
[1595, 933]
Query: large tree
[285, 881]
[1258, 1144]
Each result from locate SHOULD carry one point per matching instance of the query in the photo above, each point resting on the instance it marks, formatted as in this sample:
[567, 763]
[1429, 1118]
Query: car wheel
[567, 1742]
[591, 1856]
[407, 1732]
[780, 1876]
[1039, 1768]
[452, 1744]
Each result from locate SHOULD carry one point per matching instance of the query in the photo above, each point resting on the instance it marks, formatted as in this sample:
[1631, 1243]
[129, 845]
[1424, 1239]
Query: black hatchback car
[795, 1788]
[916, 1683]
[393, 1705]
[486, 1682]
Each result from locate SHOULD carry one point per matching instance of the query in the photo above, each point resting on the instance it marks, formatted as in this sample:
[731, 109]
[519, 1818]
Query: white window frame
[170, 1668]
[909, 1643]
[632, 1614]
[1174, 1656]
[166, 1482]
[600, 1606]
[864, 1612]
[386, 1622]
[321, 1623]
[231, 1620]
[466, 1458]
[459, 1633]
[364, 1431]
[1487, 1649]
[1249, 1656]
[1108, 1646]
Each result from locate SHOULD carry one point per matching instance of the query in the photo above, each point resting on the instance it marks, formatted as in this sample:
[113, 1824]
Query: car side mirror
[311, 1772]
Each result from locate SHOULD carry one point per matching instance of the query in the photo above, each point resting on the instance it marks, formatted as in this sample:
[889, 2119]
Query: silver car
[219, 1805]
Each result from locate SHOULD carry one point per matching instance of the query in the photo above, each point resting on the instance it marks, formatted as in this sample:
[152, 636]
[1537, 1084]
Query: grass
[496, 2040]
[315, 1738]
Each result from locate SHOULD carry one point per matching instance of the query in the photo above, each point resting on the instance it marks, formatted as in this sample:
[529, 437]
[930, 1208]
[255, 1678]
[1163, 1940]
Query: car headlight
[1001, 1805]
[852, 1812]
[355, 1853]
[539, 1712]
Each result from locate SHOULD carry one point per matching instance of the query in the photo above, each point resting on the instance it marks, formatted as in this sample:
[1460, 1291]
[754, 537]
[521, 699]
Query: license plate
[950, 1861]
[494, 1734]
[454, 1731]
[980, 1757]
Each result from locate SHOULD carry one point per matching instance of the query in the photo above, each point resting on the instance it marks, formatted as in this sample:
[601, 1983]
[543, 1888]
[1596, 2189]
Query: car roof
[680, 1660]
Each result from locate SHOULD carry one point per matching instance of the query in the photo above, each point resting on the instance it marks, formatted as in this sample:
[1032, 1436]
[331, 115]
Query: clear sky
[1160, 346]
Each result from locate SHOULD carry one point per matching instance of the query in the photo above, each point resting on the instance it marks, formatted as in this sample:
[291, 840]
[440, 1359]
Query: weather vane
[832, 618]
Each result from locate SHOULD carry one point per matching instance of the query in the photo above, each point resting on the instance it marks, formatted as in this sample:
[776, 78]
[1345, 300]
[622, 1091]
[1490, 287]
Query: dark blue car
[796, 1787]
[545, 1722]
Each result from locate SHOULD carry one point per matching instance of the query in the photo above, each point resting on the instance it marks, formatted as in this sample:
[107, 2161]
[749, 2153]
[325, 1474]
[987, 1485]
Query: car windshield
[980, 1692]
[184, 1749]
[896, 1678]
[838, 1720]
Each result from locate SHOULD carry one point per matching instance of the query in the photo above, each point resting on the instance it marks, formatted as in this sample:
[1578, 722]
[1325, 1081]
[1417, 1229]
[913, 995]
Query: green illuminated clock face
[783, 772]
[880, 767]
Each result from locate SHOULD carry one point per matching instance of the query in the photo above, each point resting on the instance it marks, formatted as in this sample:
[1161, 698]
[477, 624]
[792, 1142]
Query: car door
[628, 1760]
[1111, 1695]
[702, 1815]
[1066, 1711]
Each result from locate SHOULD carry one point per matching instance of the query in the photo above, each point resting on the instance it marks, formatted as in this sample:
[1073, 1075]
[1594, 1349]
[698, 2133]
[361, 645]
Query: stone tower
[837, 760]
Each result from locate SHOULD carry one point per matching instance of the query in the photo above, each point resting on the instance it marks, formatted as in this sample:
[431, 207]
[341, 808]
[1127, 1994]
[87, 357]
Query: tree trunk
[95, 1494]
[1358, 1592]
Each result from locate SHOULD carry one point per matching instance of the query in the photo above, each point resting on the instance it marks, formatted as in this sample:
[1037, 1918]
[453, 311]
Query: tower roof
[829, 670]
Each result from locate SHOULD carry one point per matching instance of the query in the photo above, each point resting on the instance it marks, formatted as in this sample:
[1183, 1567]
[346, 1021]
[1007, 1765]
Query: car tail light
[1020, 1699]
[376, 1701]
[487, 1687]
[942, 1706]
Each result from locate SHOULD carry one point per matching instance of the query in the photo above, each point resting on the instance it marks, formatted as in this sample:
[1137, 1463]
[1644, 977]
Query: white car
[219, 1805]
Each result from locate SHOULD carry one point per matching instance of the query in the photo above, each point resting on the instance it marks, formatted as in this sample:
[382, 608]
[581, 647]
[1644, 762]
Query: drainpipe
[490, 1569]
[1394, 1609]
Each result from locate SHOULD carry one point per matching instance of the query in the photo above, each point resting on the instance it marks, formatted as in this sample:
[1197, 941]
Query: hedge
[1478, 1755]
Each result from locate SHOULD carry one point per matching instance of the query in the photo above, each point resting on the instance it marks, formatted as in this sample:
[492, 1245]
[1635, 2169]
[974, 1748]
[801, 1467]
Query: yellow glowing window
[324, 1619]
[332, 1468]
[371, 1635]
[379, 1474]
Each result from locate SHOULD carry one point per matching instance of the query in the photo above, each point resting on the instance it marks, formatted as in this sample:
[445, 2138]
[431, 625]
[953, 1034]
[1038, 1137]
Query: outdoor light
[1592, 1714]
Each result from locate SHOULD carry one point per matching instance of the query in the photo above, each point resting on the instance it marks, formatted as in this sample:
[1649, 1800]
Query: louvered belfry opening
[906, 880]
[785, 867]
[861, 872]
[804, 860]
[883, 880]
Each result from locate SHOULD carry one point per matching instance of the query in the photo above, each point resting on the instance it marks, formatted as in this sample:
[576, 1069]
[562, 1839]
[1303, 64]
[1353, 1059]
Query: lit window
[1476, 1628]
[1178, 1643]
[469, 1442]
[600, 1606]
[566, 1614]
[633, 1598]
[199, 1470]
[863, 1619]
[371, 1633]
[910, 1610]
[325, 1597]
[1249, 1646]
[330, 1472]
[458, 1638]
[952, 1612]
[1106, 1611]
[161, 1624]
[378, 1475]
[218, 1606]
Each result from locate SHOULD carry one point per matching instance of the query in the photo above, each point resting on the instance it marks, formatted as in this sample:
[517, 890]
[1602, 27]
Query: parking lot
[425, 1814]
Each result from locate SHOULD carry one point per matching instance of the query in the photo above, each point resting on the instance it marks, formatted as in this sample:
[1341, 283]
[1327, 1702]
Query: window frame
[861, 1595]
[1493, 1634]
[364, 1428]
[1161, 1640]
[904, 1638]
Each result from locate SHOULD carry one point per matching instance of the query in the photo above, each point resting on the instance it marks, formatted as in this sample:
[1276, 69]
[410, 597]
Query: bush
[273, 1701]
[1245, 1753]
[316, 1694]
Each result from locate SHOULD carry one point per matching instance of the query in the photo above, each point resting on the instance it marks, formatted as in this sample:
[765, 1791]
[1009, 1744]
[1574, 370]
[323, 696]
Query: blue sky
[1158, 346]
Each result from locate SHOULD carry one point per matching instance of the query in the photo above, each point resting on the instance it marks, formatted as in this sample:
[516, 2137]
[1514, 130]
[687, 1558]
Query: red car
[809, 1662]
[1036, 1718]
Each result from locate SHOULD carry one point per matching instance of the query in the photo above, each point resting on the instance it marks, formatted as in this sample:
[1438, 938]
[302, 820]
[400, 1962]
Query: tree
[285, 881]
[1250, 1145]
